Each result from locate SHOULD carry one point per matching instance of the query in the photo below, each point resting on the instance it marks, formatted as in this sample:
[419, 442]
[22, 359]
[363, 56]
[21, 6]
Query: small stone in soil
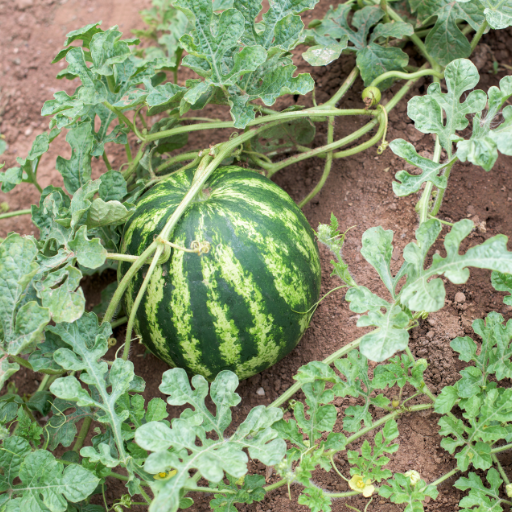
[23, 4]
[260, 391]
[460, 297]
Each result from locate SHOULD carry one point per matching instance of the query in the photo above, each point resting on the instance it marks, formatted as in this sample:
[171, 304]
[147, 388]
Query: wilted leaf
[58, 292]
[89, 253]
[77, 170]
[320, 55]
[483, 146]
[6, 370]
[22, 326]
[103, 213]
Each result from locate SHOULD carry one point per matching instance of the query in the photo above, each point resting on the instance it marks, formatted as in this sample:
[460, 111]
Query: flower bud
[508, 490]
[413, 476]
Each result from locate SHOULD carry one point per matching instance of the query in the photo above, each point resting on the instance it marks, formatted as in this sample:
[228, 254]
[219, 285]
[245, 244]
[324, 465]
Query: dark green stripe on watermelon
[236, 307]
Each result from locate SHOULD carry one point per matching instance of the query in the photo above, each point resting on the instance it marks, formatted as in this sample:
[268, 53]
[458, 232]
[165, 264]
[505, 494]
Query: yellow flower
[413, 476]
[358, 484]
[508, 490]
[165, 475]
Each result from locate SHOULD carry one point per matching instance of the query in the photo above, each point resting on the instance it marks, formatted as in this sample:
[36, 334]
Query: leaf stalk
[407, 76]
[327, 167]
[8, 215]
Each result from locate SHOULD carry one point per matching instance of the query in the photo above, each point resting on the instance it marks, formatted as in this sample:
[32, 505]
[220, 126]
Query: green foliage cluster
[242, 58]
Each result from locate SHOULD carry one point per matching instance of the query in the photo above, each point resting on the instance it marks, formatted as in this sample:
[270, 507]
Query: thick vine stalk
[15, 214]
[406, 76]
[423, 205]
[320, 111]
[327, 167]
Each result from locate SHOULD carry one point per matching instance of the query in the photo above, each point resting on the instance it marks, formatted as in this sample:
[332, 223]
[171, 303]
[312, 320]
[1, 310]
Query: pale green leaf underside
[485, 143]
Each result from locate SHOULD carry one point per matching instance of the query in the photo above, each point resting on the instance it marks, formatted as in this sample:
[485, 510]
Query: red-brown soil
[358, 192]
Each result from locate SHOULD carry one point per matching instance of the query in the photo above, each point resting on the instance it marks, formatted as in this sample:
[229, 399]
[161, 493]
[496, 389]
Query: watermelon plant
[218, 270]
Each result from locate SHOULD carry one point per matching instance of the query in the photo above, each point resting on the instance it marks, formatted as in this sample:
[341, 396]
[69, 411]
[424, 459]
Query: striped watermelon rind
[240, 307]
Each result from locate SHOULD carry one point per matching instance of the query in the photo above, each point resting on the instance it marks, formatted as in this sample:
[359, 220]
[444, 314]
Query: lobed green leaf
[46, 483]
[485, 498]
[409, 183]
[400, 490]
[427, 111]
[421, 292]
[184, 445]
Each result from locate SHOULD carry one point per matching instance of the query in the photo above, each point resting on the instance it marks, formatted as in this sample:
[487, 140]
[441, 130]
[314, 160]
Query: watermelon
[241, 306]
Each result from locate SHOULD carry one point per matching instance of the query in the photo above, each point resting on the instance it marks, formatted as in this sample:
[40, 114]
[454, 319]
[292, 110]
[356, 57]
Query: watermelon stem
[327, 167]
[136, 265]
[122, 118]
[135, 162]
[192, 155]
[323, 110]
[121, 257]
[320, 152]
[345, 86]
[205, 160]
[197, 247]
[384, 144]
[334, 145]
[315, 305]
[135, 307]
